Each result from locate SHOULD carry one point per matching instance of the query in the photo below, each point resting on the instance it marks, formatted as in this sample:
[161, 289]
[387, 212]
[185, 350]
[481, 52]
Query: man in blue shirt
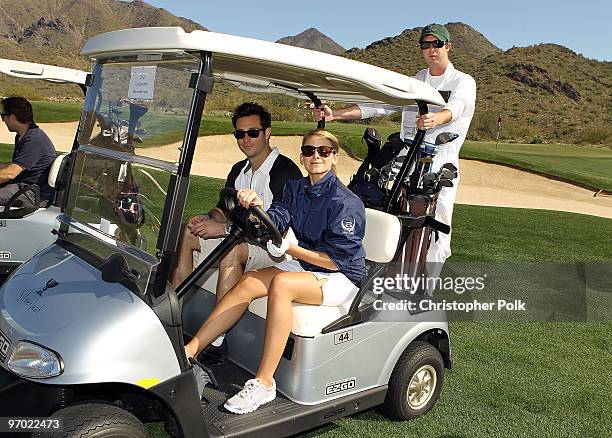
[33, 155]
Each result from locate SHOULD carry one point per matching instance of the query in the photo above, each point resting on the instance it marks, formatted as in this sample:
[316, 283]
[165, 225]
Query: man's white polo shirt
[268, 181]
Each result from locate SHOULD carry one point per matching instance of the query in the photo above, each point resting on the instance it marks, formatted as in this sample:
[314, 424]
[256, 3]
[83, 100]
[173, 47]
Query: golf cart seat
[15, 210]
[56, 172]
[380, 243]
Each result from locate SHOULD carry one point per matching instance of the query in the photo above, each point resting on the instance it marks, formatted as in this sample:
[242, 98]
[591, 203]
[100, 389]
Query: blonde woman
[327, 264]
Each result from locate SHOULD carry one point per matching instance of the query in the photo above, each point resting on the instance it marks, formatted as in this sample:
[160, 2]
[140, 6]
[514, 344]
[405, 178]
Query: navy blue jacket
[325, 217]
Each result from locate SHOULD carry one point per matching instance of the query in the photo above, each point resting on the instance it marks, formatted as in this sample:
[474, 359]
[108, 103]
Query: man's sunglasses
[253, 133]
[438, 44]
[323, 151]
[3, 115]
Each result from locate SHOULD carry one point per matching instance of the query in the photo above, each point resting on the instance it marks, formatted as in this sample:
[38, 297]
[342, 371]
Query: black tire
[419, 358]
[97, 420]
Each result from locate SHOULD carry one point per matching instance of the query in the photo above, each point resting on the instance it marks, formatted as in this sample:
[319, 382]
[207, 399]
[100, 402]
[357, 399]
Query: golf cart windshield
[132, 126]
[140, 106]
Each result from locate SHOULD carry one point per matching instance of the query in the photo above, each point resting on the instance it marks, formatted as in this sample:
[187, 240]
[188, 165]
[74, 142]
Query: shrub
[596, 134]
[23, 91]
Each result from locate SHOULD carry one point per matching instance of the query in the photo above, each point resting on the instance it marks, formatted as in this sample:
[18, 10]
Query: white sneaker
[217, 342]
[253, 395]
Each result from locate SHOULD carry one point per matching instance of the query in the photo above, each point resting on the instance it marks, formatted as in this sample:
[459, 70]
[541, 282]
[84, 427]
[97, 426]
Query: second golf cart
[90, 331]
[25, 230]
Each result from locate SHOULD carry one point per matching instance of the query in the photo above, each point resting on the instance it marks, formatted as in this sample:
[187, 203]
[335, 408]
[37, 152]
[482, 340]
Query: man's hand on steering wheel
[248, 198]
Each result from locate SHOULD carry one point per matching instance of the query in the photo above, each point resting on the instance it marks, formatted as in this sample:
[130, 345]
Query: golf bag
[418, 196]
[366, 183]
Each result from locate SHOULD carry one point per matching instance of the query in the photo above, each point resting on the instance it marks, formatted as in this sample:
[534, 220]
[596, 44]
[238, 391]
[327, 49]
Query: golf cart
[92, 334]
[25, 230]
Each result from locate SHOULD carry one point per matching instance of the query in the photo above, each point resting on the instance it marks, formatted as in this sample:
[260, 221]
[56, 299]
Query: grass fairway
[588, 165]
[515, 234]
[6, 152]
[56, 112]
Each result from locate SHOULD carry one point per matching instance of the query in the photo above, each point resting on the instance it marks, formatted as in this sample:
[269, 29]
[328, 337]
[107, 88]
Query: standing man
[264, 170]
[32, 157]
[459, 92]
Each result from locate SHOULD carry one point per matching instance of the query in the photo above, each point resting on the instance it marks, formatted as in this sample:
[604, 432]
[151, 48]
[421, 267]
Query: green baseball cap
[436, 30]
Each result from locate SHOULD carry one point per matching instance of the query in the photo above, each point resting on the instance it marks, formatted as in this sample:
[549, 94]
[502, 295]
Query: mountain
[314, 40]
[401, 52]
[544, 92]
[53, 32]
[50, 29]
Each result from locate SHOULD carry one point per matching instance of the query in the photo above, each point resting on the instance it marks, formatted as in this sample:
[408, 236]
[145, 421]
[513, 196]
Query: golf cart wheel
[415, 383]
[97, 420]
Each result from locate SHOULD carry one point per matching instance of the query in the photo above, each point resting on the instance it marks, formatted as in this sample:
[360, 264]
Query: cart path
[481, 183]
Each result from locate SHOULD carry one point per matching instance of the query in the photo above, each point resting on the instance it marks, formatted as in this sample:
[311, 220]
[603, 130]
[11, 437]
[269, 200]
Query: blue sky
[583, 27]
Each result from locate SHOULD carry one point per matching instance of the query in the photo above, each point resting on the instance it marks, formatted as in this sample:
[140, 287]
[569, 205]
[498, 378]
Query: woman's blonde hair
[329, 136]
[325, 134]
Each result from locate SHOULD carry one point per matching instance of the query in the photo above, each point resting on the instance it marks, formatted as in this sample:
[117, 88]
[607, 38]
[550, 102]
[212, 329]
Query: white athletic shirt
[268, 181]
[459, 90]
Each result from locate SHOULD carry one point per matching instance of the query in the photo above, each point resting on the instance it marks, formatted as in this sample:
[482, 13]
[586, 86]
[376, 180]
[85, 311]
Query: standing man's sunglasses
[323, 151]
[252, 133]
[438, 44]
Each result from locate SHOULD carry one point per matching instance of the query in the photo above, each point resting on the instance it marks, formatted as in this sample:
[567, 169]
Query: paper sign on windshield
[142, 83]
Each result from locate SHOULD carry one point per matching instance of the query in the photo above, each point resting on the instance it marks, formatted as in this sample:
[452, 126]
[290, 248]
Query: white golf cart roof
[31, 70]
[262, 66]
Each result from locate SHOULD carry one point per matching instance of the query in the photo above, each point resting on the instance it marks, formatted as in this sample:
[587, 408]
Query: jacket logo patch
[348, 225]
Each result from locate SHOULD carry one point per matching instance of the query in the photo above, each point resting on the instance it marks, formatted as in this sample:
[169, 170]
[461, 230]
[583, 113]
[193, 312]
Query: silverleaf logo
[51, 283]
[30, 299]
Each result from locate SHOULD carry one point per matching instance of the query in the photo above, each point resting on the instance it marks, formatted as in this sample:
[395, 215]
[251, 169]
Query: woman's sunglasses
[323, 151]
[253, 133]
[438, 44]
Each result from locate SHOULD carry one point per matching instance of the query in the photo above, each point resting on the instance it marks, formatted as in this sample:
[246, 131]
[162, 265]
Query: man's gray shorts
[259, 258]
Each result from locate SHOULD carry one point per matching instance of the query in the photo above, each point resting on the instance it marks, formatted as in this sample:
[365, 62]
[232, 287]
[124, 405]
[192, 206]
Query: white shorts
[338, 290]
[258, 258]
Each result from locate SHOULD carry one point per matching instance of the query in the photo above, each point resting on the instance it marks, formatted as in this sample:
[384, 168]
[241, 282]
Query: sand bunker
[501, 186]
[481, 183]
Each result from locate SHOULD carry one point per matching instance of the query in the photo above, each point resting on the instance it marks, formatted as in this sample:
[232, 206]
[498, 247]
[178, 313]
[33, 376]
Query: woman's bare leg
[286, 287]
[231, 307]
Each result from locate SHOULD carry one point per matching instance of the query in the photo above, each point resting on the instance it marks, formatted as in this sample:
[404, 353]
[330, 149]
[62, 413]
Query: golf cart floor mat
[231, 379]
[280, 417]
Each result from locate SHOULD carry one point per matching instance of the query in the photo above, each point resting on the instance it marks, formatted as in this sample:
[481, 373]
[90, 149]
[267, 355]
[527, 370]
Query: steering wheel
[14, 201]
[254, 232]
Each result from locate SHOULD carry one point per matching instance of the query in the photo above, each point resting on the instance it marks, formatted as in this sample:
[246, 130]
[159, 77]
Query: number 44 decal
[340, 338]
